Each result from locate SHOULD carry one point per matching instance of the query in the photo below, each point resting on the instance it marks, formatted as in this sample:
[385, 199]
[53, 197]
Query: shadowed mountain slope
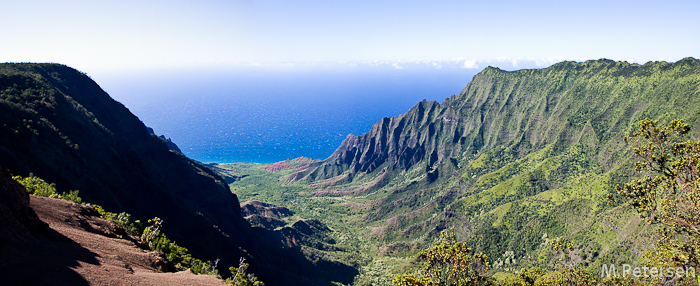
[60, 125]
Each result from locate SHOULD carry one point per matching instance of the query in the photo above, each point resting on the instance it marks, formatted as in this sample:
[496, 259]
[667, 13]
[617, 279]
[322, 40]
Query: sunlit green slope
[514, 160]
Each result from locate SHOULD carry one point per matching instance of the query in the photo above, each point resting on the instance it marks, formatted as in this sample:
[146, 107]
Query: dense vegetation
[511, 163]
[668, 200]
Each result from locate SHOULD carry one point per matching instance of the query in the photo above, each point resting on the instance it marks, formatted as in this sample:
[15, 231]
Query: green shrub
[38, 187]
[72, 196]
[448, 262]
[241, 277]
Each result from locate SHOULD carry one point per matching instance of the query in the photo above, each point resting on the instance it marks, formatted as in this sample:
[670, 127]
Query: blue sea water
[267, 115]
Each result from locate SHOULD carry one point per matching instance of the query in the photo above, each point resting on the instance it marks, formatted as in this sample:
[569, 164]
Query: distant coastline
[270, 117]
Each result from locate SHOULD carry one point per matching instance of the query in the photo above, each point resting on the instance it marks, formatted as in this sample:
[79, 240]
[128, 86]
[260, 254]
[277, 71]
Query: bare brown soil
[81, 248]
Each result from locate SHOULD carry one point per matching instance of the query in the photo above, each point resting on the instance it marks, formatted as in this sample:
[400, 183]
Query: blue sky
[123, 35]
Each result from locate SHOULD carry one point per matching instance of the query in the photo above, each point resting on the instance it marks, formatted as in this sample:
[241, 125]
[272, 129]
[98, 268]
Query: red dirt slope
[78, 248]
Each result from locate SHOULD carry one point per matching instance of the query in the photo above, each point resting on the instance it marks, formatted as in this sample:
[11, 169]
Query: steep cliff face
[566, 103]
[397, 142]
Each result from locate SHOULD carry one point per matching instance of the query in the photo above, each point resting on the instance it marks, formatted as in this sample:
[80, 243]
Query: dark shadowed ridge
[60, 125]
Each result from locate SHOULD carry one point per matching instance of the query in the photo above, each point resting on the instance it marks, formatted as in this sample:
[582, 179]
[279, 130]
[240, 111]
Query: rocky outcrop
[396, 143]
[168, 142]
[309, 233]
[18, 221]
[255, 207]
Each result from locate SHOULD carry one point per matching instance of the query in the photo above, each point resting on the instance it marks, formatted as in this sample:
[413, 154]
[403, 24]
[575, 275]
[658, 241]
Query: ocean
[265, 115]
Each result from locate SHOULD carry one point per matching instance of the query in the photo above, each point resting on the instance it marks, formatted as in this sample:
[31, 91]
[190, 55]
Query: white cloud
[475, 64]
[543, 62]
[397, 66]
[470, 64]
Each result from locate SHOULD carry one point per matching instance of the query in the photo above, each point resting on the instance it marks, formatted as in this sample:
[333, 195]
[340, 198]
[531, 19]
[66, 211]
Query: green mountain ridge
[495, 108]
[514, 160]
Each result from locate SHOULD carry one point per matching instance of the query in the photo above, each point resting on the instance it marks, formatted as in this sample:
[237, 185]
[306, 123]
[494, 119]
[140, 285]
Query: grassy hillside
[515, 160]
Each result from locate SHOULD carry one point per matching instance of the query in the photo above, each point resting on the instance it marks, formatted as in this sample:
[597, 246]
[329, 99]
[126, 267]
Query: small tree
[563, 247]
[241, 277]
[568, 273]
[669, 193]
[152, 230]
[528, 277]
[448, 262]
